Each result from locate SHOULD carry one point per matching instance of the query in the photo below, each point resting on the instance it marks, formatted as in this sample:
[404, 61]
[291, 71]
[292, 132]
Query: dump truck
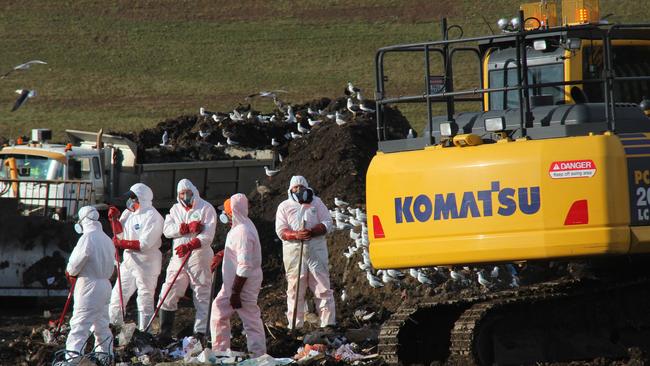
[554, 169]
[43, 185]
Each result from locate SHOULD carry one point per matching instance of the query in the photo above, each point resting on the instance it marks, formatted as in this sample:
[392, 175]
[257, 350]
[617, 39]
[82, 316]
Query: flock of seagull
[23, 94]
[355, 220]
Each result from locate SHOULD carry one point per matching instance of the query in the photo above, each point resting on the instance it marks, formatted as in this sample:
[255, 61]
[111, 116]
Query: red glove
[195, 227]
[126, 244]
[184, 249]
[216, 260]
[71, 279]
[184, 228]
[295, 235]
[318, 230]
[113, 213]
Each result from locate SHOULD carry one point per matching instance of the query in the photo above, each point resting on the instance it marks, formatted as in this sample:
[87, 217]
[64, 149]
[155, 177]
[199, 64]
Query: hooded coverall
[196, 271]
[243, 258]
[91, 262]
[315, 261]
[139, 268]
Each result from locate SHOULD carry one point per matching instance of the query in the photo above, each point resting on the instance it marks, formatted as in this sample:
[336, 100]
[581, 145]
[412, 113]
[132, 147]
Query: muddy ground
[334, 159]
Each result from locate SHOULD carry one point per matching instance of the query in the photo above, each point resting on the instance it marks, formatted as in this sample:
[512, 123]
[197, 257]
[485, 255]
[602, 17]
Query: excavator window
[626, 61]
[537, 74]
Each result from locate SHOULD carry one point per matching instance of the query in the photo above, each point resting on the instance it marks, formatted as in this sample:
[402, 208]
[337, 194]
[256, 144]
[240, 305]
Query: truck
[43, 185]
[551, 171]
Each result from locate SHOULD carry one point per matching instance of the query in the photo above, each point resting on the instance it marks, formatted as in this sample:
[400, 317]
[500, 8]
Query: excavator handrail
[604, 32]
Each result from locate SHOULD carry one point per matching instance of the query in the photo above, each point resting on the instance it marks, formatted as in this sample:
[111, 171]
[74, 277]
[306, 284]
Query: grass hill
[127, 65]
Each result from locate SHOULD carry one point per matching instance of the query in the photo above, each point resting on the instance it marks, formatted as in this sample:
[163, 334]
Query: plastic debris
[347, 353]
[144, 359]
[47, 314]
[266, 360]
[191, 347]
[48, 337]
[125, 334]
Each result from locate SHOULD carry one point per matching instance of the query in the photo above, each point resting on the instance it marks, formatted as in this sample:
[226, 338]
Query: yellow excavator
[555, 168]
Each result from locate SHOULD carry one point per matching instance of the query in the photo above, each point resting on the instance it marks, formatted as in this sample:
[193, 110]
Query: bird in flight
[24, 94]
[24, 66]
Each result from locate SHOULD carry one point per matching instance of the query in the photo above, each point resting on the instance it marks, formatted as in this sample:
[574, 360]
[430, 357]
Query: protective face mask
[303, 195]
[130, 204]
[78, 228]
[224, 218]
[187, 199]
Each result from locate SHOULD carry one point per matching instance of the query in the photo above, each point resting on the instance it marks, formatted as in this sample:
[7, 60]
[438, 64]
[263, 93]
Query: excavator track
[560, 320]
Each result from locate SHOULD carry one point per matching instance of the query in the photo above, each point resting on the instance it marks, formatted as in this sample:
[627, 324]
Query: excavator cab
[553, 168]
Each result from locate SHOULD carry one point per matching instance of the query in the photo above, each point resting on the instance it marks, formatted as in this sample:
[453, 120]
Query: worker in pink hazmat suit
[242, 278]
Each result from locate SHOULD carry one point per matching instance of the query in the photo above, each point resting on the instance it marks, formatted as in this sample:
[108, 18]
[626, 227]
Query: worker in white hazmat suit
[139, 231]
[91, 262]
[242, 279]
[191, 224]
[303, 218]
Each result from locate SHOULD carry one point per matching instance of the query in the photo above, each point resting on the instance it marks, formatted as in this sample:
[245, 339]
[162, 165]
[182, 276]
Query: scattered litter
[125, 334]
[309, 351]
[48, 337]
[346, 352]
[47, 314]
[266, 360]
[50, 280]
[144, 359]
[191, 347]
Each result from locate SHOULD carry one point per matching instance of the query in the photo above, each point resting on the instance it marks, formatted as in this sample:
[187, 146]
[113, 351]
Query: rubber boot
[166, 323]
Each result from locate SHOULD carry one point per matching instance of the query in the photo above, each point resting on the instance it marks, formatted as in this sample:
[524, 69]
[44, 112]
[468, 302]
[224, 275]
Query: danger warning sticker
[572, 169]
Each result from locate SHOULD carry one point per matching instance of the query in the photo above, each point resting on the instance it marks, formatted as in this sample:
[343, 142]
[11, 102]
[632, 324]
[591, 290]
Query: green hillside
[130, 64]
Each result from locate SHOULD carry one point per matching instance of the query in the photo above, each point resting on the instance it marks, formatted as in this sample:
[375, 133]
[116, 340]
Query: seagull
[291, 118]
[204, 134]
[352, 107]
[344, 295]
[340, 225]
[413, 272]
[22, 98]
[366, 109]
[339, 119]
[351, 89]
[373, 280]
[359, 96]
[295, 135]
[363, 266]
[311, 112]
[395, 273]
[423, 279]
[219, 145]
[411, 134]
[236, 116]
[217, 118]
[274, 142]
[262, 190]
[302, 129]
[456, 276]
[165, 138]
[203, 112]
[483, 281]
[269, 172]
[360, 215]
[340, 203]
[513, 273]
[266, 94]
[495, 272]
[385, 277]
[354, 235]
[313, 122]
[354, 221]
[24, 66]
[349, 253]
[229, 141]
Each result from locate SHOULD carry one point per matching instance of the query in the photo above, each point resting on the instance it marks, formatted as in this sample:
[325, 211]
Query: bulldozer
[554, 170]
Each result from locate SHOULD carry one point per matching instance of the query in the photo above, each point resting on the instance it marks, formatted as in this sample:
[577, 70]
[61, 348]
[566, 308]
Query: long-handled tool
[65, 309]
[302, 246]
[161, 301]
[119, 276]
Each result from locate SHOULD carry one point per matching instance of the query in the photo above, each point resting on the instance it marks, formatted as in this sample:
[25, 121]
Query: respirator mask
[303, 195]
